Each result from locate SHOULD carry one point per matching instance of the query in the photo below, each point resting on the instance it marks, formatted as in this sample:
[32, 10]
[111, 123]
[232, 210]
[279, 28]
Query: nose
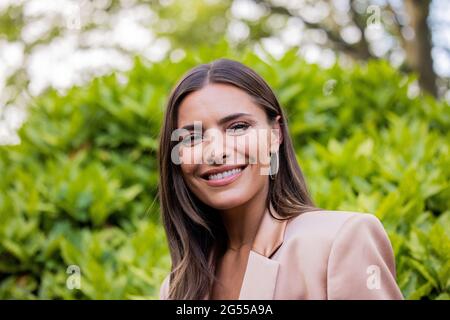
[215, 150]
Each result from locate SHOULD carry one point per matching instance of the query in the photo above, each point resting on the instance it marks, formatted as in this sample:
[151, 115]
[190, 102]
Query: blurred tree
[418, 50]
[406, 23]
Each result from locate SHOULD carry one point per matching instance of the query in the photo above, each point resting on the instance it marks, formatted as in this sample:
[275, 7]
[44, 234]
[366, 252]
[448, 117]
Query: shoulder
[164, 288]
[326, 223]
[325, 226]
[352, 249]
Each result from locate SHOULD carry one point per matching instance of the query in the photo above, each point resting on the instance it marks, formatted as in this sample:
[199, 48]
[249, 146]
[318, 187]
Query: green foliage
[80, 189]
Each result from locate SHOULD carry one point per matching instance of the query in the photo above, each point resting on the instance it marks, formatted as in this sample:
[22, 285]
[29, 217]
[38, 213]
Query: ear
[276, 136]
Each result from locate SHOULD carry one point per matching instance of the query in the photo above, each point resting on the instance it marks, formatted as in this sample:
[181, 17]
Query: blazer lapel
[261, 273]
[260, 278]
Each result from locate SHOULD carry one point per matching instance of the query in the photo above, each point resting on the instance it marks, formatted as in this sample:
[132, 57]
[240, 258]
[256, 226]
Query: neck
[242, 222]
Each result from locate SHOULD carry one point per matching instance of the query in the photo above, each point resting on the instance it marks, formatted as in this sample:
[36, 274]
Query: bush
[80, 189]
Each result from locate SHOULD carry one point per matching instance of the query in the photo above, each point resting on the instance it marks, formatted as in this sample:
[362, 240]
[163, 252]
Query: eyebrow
[221, 121]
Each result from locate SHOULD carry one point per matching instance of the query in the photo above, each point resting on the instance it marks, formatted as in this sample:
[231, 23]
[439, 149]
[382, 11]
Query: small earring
[274, 165]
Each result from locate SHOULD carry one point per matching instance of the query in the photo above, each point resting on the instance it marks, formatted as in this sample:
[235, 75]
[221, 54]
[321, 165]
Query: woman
[236, 210]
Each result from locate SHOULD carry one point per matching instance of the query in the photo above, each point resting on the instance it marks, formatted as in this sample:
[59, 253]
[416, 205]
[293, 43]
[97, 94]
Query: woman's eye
[192, 139]
[239, 127]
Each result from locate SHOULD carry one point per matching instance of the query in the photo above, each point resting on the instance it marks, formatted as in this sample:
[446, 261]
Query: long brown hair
[192, 227]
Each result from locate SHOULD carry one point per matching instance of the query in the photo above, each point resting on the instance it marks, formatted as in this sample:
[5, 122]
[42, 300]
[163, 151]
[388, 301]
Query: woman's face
[225, 161]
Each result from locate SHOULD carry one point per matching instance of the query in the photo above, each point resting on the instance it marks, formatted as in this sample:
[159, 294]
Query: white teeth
[224, 174]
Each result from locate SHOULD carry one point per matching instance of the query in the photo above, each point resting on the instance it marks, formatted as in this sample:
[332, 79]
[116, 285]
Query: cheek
[188, 176]
[255, 146]
[190, 156]
[252, 145]
[188, 170]
[242, 149]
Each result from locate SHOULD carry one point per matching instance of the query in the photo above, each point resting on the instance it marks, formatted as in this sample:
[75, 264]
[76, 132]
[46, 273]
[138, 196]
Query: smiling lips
[222, 176]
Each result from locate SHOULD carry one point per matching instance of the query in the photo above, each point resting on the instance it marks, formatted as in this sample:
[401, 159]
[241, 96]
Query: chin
[226, 202]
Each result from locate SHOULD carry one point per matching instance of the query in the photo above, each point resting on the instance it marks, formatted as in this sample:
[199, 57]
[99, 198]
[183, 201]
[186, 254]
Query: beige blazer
[318, 255]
